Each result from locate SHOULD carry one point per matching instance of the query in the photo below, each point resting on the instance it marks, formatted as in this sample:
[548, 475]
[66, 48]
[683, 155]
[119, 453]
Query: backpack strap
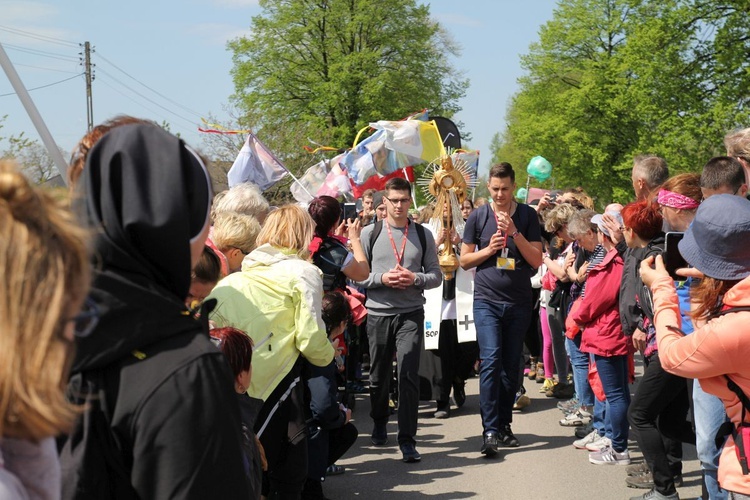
[422, 240]
[479, 228]
[738, 432]
[730, 310]
[728, 428]
[377, 228]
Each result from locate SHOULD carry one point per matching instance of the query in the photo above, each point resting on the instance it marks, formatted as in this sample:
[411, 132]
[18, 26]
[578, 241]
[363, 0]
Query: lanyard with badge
[398, 255]
[504, 262]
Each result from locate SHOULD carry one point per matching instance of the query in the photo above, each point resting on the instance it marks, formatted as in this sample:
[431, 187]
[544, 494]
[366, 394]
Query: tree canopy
[322, 69]
[610, 79]
[31, 156]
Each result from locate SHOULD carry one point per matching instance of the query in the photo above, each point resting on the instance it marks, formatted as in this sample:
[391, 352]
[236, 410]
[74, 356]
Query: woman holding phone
[717, 351]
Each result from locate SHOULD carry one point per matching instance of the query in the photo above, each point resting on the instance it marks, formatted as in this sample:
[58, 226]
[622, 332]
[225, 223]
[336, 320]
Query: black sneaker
[489, 448]
[409, 452]
[506, 437]
[379, 435]
[459, 393]
[443, 410]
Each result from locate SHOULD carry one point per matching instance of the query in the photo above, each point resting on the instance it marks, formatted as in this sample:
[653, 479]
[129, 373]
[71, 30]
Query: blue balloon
[539, 168]
[522, 193]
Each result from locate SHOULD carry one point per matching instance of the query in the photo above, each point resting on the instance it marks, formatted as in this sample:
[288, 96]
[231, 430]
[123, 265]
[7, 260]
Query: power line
[186, 120]
[185, 108]
[155, 113]
[126, 96]
[45, 86]
[42, 53]
[37, 36]
[46, 69]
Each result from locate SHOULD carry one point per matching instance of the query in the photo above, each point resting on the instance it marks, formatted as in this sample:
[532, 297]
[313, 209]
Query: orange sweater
[721, 346]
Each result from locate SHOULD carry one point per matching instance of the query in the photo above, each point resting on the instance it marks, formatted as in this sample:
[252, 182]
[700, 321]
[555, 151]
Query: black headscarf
[148, 196]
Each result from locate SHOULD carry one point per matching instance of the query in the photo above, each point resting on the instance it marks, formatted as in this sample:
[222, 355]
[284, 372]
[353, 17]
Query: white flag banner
[433, 314]
[256, 164]
[465, 305]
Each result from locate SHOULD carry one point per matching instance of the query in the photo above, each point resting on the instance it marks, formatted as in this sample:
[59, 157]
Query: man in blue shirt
[502, 240]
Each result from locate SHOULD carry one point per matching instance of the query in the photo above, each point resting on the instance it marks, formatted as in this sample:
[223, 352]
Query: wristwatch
[417, 280]
[514, 235]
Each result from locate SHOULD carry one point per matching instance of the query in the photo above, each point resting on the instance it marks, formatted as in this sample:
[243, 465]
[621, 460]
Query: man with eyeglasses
[403, 263]
[723, 175]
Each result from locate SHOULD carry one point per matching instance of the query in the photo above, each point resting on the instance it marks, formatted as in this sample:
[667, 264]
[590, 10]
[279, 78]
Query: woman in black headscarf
[161, 419]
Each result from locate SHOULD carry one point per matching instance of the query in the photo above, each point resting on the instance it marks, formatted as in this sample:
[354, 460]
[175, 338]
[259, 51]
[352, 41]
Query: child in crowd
[237, 347]
[204, 277]
[331, 432]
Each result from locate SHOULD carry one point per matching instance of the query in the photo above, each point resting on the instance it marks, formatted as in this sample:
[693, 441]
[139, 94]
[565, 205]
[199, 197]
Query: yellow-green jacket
[276, 299]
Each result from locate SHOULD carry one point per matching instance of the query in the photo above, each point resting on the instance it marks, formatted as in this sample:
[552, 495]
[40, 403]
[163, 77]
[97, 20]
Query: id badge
[506, 263]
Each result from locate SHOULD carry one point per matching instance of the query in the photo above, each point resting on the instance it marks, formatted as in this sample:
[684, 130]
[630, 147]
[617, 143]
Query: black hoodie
[631, 313]
[162, 419]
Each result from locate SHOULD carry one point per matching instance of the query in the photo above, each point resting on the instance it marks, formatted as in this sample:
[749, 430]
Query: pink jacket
[599, 312]
[721, 346]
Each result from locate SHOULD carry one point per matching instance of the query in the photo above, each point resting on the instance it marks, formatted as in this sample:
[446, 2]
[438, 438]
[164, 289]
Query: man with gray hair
[737, 143]
[649, 171]
[244, 198]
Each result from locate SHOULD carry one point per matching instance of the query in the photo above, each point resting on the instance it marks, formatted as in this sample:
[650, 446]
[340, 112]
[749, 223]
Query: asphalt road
[546, 466]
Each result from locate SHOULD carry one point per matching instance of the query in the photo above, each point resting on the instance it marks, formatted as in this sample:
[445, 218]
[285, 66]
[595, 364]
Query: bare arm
[471, 257]
[358, 269]
[556, 269]
[531, 250]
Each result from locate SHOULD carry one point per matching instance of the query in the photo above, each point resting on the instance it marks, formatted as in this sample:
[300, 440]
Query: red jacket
[599, 313]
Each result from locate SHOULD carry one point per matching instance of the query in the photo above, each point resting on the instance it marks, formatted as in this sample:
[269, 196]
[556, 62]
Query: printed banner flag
[414, 138]
[336, 182]
[256, 164]
[305, 188]
[470, 157]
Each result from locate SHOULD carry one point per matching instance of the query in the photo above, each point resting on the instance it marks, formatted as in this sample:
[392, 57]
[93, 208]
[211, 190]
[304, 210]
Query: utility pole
[33, 113]
[89, 78]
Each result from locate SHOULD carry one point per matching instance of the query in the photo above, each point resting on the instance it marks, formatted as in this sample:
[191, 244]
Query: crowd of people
[163, 341]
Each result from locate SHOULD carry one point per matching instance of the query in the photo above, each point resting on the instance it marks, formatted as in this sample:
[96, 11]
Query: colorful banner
[309, 183]
[414, 138]
[256, 164]
[377, 182]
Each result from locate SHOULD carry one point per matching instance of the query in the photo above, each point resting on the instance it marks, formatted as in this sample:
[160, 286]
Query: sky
[166, 60]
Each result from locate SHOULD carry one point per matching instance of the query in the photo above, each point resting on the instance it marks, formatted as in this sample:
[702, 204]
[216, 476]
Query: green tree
[323, 69]
[610, 79]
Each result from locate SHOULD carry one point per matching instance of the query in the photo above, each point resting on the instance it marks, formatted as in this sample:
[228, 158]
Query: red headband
[676, 200]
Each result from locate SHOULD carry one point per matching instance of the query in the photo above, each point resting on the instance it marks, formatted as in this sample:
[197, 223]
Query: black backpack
[330, 258]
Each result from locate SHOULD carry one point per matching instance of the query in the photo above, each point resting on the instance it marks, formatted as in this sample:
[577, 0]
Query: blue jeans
[709, 414]
[500, 332]
[600, 422]
[613, 372]
[580, 362]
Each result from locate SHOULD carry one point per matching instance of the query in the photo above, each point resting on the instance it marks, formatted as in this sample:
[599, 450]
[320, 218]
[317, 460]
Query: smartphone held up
[673, 259]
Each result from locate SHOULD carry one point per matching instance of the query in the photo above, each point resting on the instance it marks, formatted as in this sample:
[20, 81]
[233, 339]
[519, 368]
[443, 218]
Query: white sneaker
[586, 440]
[599, 444]
[576, 419]
[608, 456]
